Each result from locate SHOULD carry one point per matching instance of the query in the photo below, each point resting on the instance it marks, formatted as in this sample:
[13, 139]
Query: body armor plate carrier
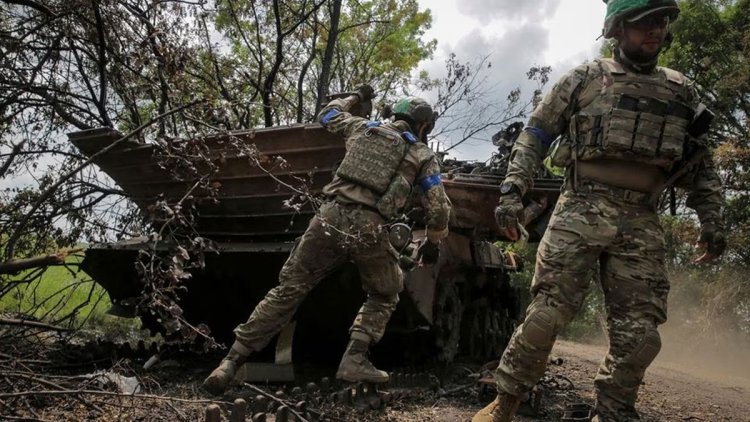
[646, 119]
[374, 158]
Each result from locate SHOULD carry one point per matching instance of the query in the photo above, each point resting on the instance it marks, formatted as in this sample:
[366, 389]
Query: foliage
[589, 325]
[290, 54]
[63, 295]
[161, 71]
[708, 301]
[711, 299]
[711, 46]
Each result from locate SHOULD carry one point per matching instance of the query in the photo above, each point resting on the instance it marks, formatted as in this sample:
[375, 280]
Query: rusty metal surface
[251, 205]
[251, 199]
[474, 198]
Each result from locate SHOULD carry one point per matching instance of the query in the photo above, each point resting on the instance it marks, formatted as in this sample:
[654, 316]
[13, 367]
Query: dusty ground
[678, 387]
[675, 389]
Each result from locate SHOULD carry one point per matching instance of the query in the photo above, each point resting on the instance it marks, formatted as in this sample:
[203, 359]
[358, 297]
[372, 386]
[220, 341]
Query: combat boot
[355, 366]
[219, 380]
[501, 410]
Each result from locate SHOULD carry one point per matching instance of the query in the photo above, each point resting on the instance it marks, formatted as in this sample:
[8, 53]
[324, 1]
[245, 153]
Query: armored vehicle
[463, 304]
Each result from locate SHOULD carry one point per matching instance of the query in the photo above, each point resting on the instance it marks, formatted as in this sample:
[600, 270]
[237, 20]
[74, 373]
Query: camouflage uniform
[350, 227]
[612, 115]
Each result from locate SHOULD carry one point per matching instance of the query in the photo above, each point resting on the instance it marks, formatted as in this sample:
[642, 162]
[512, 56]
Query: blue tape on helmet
[410, 138]
[328, 116]
[429, 182]
[372, 124]
[545, 139]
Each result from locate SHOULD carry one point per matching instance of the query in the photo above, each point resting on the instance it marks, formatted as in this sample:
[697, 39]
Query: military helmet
[414, 110]
[617, 10]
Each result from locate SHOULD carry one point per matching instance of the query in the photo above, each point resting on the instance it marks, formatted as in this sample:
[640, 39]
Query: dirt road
[675, 389]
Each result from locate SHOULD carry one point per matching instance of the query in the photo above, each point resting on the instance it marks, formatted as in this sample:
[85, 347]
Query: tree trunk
[325, 71]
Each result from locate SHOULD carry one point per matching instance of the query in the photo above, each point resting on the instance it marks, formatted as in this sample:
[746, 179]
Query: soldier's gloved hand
[508, 210]
[428, 252]
[365, 92]
[712, 241]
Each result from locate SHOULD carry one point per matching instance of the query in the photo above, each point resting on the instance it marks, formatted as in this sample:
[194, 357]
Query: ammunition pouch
[641, 118]
[560, 154]
[399, 235]
[651, 129]
[395, 197]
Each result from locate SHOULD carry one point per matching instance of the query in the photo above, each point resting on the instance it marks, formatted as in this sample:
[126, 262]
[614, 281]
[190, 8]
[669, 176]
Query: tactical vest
[373, 160]
[639, 117]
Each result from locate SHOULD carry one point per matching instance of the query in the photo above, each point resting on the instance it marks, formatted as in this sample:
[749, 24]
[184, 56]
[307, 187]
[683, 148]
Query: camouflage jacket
[587, 86]
[419, 167]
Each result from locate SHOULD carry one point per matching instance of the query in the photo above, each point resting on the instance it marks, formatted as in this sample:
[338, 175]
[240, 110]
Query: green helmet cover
[415, 110]
[619, 9]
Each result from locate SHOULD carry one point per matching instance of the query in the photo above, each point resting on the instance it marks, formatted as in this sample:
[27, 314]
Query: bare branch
[14, 152]
[48, 193]
[105, 393]
[32, 324]
[32, 4]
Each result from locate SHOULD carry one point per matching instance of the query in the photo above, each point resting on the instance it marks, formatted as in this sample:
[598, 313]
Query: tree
[318, 48]
[711, 46]
[157, 71]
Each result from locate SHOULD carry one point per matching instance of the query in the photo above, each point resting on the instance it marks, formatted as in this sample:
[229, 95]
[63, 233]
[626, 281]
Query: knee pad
[540, 327]
[645, 352]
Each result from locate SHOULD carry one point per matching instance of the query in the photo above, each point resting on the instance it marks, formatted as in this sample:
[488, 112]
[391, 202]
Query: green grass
[62, 295]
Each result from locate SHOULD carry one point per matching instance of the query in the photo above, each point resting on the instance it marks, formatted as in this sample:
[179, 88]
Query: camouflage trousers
[608, 227]
[338, 234]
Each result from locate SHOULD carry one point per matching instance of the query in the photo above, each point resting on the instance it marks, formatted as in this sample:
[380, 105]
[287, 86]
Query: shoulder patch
[612, 66]
[674, 76]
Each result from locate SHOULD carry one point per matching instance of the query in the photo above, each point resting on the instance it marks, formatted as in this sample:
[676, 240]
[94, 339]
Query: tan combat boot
[355, 367]
[219, 380]
[501, 410]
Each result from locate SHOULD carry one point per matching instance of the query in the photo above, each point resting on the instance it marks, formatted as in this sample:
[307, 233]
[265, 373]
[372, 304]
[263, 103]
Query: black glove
[365, 92]
[428, 252]
[508, 208]
[713, 238]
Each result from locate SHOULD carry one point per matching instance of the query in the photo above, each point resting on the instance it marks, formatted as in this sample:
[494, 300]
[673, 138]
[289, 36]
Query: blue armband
[410, 138]
[429, 182]
[328, 116]
[372, 123]
[545, 139]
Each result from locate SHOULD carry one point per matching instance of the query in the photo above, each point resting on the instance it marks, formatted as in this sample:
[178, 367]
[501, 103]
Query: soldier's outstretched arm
[435, 202]
[547, 122]
[335, 115]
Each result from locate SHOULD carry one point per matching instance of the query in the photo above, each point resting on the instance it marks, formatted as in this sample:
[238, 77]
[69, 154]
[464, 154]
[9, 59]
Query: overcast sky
[517, 34]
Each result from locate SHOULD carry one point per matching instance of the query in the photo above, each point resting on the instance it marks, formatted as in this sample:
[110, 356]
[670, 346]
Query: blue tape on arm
[328, 116]
[545, 139]
[430, 182]
[410, 138]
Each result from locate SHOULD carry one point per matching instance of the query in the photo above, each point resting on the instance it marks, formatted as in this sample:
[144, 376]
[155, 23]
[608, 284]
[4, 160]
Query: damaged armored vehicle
[462, 305]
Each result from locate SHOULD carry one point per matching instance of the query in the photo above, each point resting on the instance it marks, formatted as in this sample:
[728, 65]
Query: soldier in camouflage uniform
[371, 187]
[630, 129]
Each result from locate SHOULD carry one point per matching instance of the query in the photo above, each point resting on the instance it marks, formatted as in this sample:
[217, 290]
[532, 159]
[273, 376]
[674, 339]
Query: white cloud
[488, 10]
[516, 35]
